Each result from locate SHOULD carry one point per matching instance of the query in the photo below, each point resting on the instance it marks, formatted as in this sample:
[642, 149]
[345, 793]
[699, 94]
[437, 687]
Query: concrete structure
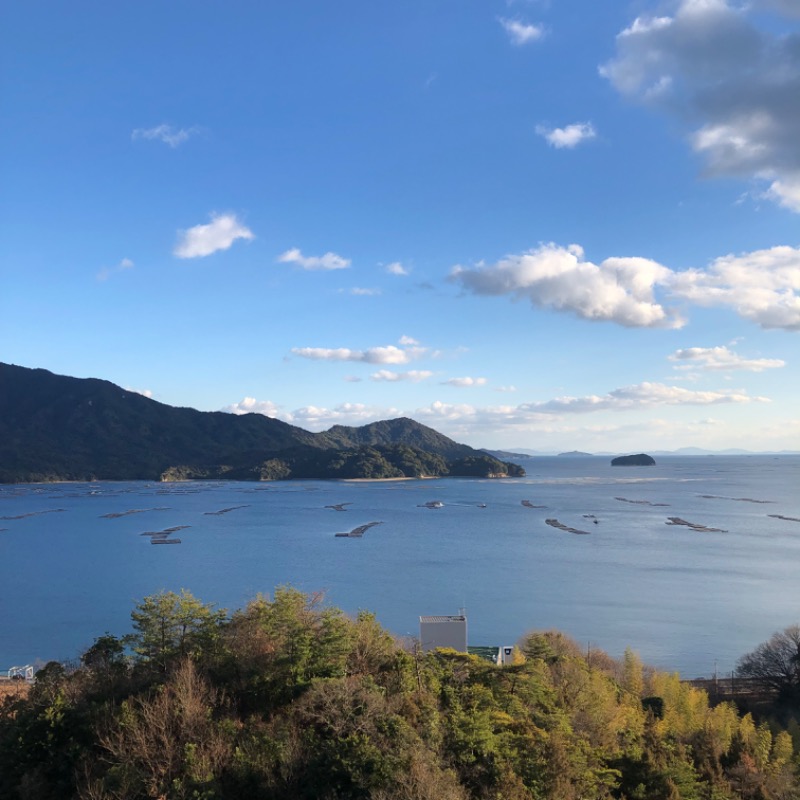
[443, 631]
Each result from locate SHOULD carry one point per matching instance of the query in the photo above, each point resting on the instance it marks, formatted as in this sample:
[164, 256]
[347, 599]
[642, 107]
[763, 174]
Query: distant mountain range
[523, 453]
[56, 428]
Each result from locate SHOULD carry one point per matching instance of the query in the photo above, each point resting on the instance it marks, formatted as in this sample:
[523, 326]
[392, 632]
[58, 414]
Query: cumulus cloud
[164, 133]
[413, 376]
[408, 341]
[465, 383]
[328, 261]
[521, 33]
[203, 240]
[618, 290]
[762, 286]
[249, 405]
[720, 358]
[106, 272]
[736, 83]
[396, 268]
[568, 137]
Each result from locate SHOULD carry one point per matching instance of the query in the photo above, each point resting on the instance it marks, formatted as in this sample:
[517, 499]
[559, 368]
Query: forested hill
[394, 431]
[54, 427]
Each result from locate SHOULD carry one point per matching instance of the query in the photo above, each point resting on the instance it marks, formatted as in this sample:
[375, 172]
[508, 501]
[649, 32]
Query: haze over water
[684, 599]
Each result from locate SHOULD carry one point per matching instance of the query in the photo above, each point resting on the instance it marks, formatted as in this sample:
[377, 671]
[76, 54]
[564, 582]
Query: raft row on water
[358, 532]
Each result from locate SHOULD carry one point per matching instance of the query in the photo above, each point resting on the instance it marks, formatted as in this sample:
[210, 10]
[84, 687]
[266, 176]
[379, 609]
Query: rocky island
[639, 460]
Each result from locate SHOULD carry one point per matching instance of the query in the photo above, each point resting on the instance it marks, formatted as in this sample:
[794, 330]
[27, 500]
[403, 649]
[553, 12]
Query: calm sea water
[686, 600]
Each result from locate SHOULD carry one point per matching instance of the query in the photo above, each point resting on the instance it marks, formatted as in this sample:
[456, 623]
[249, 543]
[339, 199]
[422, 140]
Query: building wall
[452, 633]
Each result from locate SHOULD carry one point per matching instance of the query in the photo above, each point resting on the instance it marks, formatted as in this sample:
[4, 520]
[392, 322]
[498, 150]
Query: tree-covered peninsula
[290, 698]
[56, 428]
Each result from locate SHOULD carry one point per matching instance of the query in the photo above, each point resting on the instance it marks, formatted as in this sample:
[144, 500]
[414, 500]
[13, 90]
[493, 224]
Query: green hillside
[54, 427]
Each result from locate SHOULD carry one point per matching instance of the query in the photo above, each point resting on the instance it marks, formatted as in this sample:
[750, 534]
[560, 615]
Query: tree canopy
[291, 698]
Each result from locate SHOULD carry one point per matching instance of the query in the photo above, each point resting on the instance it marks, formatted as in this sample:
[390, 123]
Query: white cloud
[408, 341]
[329, 261]
[762, 286]
[396, 268]
[164, 133]
[413, 376]
[786, 192]
[106, 272]
[505, 388]
[203, 240]
[720, 358]
[568, 137]
[465, 383]
[618, 290]
[374, 355]
[314, 418]
[144, 392]
[521, 33]
[249, 405]
[737, 85]
[642, 395]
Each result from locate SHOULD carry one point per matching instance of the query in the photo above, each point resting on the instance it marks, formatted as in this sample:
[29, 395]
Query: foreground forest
[290, 698]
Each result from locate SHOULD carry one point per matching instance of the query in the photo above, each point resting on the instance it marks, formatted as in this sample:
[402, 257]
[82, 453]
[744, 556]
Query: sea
[691, 563]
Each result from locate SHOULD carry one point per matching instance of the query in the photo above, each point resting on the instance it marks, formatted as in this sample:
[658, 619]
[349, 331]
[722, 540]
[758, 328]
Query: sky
[545, 224]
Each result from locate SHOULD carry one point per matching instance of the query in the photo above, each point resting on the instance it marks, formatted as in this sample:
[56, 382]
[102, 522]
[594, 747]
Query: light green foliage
[171, 626]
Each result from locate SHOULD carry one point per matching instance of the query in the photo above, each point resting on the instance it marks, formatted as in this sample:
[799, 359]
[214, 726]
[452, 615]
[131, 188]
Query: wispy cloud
[106, 272]
[641, 395]
[164, 133]
[720, 359]
[396, 268]
[521, 33]
[328, 261]
[314, 417]
[465, 383]
[203, 240]
[568, 137]
[374, 355]
[413, 376]
[359, 291]
[554, 415]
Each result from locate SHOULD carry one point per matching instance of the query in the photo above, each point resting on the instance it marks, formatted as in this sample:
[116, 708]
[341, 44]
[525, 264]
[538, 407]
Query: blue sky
[551, 225]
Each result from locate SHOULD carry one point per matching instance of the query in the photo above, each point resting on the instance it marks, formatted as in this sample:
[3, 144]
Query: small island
[639, 460]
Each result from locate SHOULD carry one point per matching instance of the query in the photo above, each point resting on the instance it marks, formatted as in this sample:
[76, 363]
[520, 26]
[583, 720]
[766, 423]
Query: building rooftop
[444, 618]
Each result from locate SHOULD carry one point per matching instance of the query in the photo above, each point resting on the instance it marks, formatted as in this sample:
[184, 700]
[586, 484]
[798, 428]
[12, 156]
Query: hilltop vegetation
[289, 698]
[54, 427]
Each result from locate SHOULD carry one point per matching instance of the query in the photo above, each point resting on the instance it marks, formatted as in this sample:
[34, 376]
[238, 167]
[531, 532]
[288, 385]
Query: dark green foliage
[654, 706]
[59, 428]
[289, 698]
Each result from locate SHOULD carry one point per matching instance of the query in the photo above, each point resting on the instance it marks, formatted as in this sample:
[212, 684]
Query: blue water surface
[686, 600]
